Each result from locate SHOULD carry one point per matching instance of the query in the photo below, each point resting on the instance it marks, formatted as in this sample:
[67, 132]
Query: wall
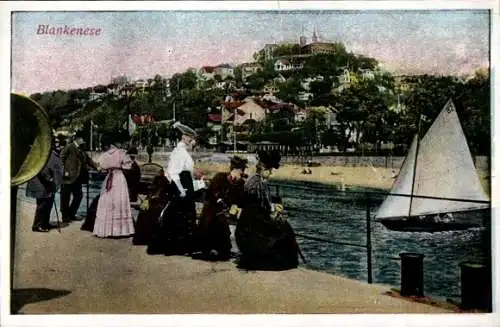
[482, 162]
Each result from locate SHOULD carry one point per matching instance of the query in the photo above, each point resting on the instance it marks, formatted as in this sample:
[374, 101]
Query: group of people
[168, 222]
[67, 169]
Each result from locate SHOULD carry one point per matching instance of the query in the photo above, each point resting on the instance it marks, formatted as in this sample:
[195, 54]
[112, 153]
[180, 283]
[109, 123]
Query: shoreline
[368, 177]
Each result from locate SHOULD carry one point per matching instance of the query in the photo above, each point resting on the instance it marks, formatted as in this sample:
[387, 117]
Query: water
[324, 211]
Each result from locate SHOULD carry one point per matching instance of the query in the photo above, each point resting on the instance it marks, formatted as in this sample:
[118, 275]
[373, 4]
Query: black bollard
[412, 274]
[475, 287]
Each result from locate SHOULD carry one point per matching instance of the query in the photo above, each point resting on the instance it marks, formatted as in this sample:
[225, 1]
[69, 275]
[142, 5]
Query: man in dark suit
[76, 164]
[43, 187]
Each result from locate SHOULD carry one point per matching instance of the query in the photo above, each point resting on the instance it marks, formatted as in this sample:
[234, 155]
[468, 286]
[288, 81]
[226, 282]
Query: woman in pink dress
[114, 215]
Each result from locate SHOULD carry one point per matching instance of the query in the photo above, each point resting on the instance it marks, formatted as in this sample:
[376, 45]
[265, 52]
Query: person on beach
[150, 210]
[76, 174]
[44, 187]
[176, 231]
[265, 239]
[133, 175]
[223, 198]
[113, 214]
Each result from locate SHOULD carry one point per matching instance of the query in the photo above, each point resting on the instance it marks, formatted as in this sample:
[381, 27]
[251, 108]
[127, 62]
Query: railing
[367, 199]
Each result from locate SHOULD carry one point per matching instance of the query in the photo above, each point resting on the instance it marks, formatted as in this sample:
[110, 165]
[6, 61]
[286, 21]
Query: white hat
[185, 130]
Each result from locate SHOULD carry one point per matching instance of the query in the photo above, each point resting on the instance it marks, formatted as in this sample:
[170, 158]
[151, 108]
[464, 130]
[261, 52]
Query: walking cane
[57, 217]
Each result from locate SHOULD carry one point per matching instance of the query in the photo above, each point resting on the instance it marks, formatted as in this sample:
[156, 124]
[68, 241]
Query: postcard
[256, 162]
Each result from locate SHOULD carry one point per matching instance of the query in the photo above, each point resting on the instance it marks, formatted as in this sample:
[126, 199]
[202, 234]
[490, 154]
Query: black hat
[270, 159]
[114, 137]
[238, 163]
[185, 130]
[107, 139]
[132, 151]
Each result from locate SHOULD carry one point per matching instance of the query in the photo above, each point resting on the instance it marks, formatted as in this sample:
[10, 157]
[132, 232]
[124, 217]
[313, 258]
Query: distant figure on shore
[76, 174]
[307, 171]
[223, 198]
[150, 151]
[43, 187]
[114, 215]
[175, 235]
[133, 175]
[265, 239]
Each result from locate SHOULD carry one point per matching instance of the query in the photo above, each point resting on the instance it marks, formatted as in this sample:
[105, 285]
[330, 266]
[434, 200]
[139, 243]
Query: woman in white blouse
[178, 221]
[180, 159]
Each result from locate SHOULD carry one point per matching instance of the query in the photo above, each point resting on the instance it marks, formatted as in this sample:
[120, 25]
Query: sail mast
[415, 164]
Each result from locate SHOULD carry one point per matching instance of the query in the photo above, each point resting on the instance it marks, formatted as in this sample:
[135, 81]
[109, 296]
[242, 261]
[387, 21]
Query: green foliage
[289, 90]
[286, 49]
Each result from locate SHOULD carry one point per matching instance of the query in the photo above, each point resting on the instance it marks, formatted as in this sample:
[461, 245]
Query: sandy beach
[350, 176]
[372, 177]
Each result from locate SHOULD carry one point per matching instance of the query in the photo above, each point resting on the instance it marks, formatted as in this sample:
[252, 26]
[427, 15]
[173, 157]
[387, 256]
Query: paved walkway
[74, 272]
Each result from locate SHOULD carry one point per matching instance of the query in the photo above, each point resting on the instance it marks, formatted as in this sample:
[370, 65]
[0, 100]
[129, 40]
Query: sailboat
[437, 177]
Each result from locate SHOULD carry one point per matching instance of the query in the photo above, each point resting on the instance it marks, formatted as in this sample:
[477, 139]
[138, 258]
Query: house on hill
[224, 71]
[248, 69]
[281, 65]
[207, 72]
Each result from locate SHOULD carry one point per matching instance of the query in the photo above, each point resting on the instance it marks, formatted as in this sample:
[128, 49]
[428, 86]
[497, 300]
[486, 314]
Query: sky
[142, 44]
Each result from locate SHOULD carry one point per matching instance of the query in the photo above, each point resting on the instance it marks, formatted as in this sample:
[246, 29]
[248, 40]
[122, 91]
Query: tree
[286, 49]
[238, 76]
[289, 90]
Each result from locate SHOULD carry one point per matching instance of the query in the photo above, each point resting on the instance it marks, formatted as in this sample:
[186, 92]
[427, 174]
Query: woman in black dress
[225, 191]
[133, 176]
[266, 241]
[150, 211]
[175, 234]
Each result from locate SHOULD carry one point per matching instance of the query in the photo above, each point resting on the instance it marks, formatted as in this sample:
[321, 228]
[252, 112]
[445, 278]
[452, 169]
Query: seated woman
[224, 191]
[266, 241]
[150, 211]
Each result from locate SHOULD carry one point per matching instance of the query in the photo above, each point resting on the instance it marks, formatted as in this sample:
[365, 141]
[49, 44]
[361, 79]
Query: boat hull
[417, 225]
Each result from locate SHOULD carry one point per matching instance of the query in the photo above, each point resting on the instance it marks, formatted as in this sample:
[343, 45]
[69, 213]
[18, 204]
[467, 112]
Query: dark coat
[46, 183]
[213, 229]
[75, 163]
[264, 242]
[133, 177]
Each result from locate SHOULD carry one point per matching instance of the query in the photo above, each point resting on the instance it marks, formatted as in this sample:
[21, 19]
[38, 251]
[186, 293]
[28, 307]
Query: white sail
[444, 168]
[399, 206]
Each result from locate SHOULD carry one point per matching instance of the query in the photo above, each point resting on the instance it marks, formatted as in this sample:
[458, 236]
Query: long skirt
[214, 232]
[114, 215]
[88, 224]
[175, 233]
[265, 244]
[147, 221]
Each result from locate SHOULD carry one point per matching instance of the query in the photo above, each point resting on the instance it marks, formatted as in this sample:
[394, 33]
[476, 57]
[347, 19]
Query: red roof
[208, 69]
[233, 104]
[215, 117]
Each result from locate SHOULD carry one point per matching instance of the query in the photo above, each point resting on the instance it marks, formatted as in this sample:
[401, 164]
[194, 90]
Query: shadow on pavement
[21, 297]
